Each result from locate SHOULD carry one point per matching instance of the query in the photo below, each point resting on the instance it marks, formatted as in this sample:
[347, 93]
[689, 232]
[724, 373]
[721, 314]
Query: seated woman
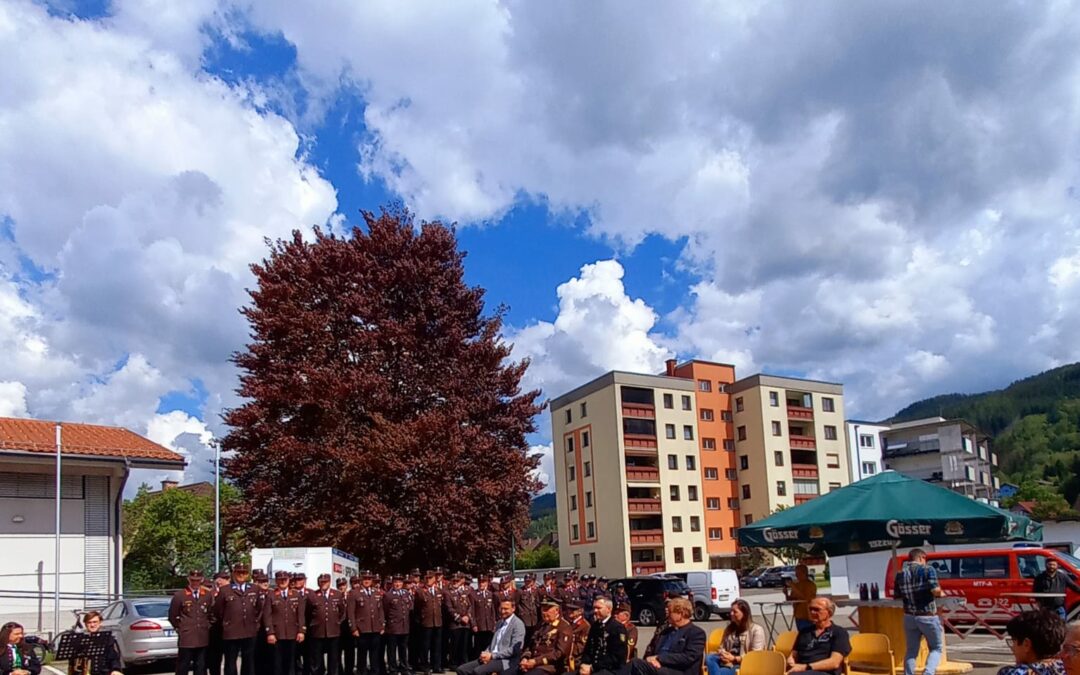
[86, 661]
[17, 658]
[742, 635]
[1035, 639]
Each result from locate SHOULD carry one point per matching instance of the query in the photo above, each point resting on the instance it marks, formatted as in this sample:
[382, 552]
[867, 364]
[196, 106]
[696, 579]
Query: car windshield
[1072, 560]
[152, 610]
[757, 572]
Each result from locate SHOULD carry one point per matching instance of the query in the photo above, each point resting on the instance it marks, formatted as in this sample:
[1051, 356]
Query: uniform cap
[324, 577]
[439, 570]
[603, 580]
[431, 573]
[549, 603]
[414, 572]
[483, 577]
[354, 579]
[342, 581]
[399, 577]
[529, 576]
[572, 605]
[300, 576]
[281, 574]
[221, 575]
[260, 577]
[195, 574]
[240, 568]
[367, 574]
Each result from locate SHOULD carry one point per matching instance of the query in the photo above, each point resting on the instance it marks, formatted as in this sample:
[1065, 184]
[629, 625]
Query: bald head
[1070, 649]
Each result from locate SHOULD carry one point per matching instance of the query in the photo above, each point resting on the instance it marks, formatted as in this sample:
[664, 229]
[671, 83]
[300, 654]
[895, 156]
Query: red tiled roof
[81, 439]
[1027, 507]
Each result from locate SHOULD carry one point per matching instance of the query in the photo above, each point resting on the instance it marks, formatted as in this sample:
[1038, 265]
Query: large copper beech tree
[382, 414]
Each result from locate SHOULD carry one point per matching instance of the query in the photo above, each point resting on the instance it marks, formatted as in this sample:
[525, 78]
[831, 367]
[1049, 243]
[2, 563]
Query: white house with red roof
[95, 464]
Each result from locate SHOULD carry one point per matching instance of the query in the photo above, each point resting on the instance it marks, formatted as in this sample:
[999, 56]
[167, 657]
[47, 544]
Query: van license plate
[169, 632]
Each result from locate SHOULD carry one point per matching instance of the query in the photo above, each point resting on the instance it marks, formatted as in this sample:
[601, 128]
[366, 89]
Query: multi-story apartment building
[627, 478]
[788, 441]
[951, 452]
[864, 448]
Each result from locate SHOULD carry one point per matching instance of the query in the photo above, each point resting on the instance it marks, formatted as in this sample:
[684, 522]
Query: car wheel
[646, 617]
[701, 612]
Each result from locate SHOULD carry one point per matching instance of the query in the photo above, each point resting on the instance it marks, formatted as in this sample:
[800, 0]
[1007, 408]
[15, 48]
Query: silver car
[142, 629]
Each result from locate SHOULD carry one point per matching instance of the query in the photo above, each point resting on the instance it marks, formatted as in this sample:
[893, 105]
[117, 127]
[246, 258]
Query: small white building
[864, 448]
[95, 463]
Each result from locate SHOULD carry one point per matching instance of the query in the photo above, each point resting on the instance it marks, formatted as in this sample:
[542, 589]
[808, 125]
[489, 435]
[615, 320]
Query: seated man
[504, 652]
[552, 642]
[678, 650]
[823, 646]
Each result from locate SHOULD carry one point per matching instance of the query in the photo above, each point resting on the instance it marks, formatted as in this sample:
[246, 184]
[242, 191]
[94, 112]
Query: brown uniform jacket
[631, 641]
[398, 604]
[484, 610]
[325, 613]
[365, 610]
[240, 612]
[192, 617]
[551, 646]
[580, 629]
[283, 617]
[528, 606]
[429, 606]
[458, 603]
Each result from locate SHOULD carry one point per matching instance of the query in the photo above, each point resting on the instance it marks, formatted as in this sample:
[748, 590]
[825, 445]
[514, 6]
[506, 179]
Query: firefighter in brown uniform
[508, 590]
[237, 608]
[346, 648]
[216, 649]
[414, 585]
[528, 606]
[429, 609]
[458, 603]
[367, 621]
[299, 582]
[284, 622]
[398, 604]
[580, 628]
[622, 615]
[550, 589]
[552, 643]
[325, 611]
[264, 652]
[483, 624]
[191, 613]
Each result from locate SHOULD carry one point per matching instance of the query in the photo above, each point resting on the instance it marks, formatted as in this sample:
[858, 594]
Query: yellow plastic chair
[870, 653]
[716, 637]
[785, 642]
[763, 663]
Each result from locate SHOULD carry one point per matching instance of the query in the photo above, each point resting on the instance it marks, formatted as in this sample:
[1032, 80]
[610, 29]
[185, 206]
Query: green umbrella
[886, 511]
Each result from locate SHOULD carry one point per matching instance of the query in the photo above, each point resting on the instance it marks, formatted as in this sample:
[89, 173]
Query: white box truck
[311, 561]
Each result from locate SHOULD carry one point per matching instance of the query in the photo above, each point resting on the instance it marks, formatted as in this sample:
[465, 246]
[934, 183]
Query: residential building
[627, 477]
[951, 452]
[95, 463]
[789, 442]
[864, 448]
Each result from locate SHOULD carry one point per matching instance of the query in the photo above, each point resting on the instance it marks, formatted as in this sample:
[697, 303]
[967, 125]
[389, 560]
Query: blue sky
[688, 180]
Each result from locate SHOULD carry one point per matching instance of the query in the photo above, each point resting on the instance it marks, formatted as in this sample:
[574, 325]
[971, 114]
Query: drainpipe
[118, 540]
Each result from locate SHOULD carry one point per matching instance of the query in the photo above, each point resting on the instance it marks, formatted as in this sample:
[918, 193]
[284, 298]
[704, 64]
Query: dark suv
[648, 595]
[779, 576]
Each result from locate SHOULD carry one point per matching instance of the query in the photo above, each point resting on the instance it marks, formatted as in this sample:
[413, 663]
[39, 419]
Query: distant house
[1026, 508]
[1007, 490]
[95, 464]
[203, 489]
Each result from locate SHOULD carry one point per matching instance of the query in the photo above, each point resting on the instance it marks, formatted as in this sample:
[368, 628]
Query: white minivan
[714, 591]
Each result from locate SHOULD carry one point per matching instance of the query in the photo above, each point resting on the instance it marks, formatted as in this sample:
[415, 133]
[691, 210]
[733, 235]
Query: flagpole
[217, 506]
[56, 582]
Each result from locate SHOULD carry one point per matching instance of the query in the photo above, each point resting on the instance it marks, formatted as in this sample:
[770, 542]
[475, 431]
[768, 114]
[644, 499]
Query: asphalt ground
[985, 652]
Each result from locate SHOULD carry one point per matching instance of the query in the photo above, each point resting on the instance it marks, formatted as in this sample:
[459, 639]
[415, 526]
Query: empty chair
[870, 653]
[785, 642]
[763, 663]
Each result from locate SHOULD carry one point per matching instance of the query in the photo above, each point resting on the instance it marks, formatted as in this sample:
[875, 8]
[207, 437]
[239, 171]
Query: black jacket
[105, 663]
[685, 649]
[605, 648]
[7, 664]
[1044, 583]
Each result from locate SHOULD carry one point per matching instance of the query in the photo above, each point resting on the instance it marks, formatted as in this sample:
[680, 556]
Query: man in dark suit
[677, 651]
[605, 648]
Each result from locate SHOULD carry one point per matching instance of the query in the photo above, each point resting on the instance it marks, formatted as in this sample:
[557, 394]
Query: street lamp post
[56, 562]
[217, 506]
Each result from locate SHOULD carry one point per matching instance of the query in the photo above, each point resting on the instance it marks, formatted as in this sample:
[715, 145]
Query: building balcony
[798, 412]
[639, 410]
[803, 442]
[802, 499]
[642, 474]
[643, 505]
[646, 568]
[647, 538]
[804, 471]
[639, 441]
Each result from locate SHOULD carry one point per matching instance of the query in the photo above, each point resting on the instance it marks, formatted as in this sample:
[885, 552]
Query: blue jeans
[916, 628]
[717, 667]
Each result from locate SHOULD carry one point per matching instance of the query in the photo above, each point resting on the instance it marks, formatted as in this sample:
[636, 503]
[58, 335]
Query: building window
[688, 432]
[721, 387]
[706, 415]
[830, 432]
[574, 532]
[691, 492]
[708, 444]
[577, 560]
[686, 403]
[590, 528]
[740, 433]
[869, 468]
[725, 415]
[774, 399]
[573, 502]
[748, 520]
[744, 462]
[572, 474]
[669, 431]
[704, 385]
[827, 404]
[729, 445]
[696, 552]
[592, 559]
[674, 493]
[673, 461]
[716, 533]
[712, 503]
[746, 492]
[588, 499]
[738, 404]
[679, 554]
[781, 488]
[585, 439]
[778, 458]
[731, 474]
[805, 487]
[570, 444]
[691, 463]
[832, 460]
[732, 503]
[669, 401]
[584, 409]
[866, 440]
[695, 523]
[569, 416]
[711, 474]
[776, 429]
[676, 523]
[586, 469]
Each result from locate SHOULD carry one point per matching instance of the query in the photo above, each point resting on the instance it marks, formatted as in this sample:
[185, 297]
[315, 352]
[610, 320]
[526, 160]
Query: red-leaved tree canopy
[382, 414]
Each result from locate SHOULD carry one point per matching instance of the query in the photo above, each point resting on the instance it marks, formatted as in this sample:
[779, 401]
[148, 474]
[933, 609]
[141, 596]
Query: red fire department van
[983, 576]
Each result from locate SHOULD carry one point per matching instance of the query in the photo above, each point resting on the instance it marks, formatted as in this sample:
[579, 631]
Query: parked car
[773, 577]
[714, 591]
[649, 594]
[753, 579]
[141, 628]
